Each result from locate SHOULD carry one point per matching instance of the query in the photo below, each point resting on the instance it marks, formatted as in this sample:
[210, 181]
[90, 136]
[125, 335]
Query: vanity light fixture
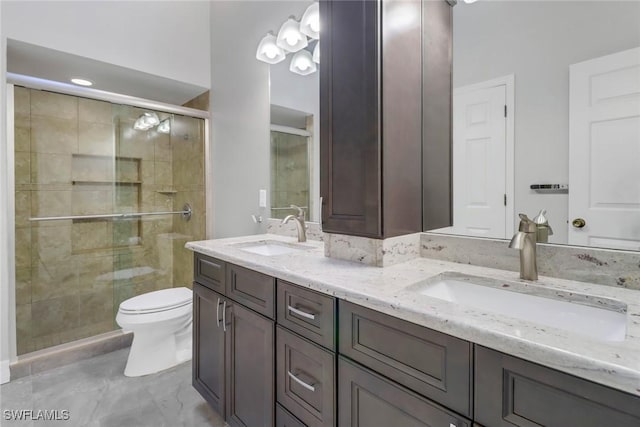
[146, 121]
[268, 51]
[310, 22]
[470, 1]
[81, 82]
[290, 38]
[302, 63]
[164, 126]
[316, 53]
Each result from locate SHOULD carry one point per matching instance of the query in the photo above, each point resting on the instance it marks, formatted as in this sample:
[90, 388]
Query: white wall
[165, 38]
[240, 104]
[537, 41]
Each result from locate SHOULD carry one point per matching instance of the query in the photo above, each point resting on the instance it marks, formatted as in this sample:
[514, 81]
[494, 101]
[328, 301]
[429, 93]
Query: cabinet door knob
[578, 223]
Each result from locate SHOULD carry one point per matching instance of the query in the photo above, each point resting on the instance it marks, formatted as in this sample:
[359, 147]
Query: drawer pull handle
[302, 383]
[224, 316]
[301, 313]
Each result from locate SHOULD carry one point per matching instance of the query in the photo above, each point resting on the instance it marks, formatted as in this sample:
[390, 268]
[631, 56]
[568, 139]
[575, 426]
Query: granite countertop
[615, 364]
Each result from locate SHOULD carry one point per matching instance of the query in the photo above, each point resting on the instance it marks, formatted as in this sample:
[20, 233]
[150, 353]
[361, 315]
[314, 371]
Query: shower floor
[96, 393]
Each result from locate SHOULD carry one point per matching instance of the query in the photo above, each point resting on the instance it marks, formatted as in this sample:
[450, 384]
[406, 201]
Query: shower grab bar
[185, 212]
[288, 208]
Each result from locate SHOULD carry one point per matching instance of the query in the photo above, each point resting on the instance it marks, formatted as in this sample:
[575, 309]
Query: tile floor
[97, 394]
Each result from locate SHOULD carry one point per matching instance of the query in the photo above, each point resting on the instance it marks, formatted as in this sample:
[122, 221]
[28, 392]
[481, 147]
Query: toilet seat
[157, 301]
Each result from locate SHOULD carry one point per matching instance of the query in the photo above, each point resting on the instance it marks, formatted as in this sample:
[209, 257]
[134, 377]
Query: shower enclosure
[78, 163]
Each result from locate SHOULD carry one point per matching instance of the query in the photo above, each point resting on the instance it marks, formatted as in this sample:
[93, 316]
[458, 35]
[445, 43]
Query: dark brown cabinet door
[367, 399]
[385, 116]
[513, 392]
[208, 346]
[250, 398]
[350, 150]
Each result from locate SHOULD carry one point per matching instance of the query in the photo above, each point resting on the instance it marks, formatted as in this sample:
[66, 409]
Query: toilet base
[154, 350]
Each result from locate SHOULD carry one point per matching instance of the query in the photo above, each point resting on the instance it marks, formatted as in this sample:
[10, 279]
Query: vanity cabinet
[385, 116]
[233, 346]
[329, 362]
[513, 392]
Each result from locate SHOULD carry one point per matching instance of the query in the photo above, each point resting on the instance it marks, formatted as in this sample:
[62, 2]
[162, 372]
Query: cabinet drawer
[433, 364]
[209, 272]
[285, 419]
[305, 383]
[308, 313]
[368, 399]
[252, 289]
[513, 392]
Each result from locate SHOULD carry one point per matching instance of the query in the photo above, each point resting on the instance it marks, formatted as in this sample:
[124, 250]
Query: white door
[479, 162]
[604, 151]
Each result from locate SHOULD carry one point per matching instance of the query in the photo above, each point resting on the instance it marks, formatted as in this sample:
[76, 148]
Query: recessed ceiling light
[81, 82]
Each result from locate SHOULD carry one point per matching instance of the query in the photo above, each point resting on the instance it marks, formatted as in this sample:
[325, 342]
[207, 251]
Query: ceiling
[44, 63]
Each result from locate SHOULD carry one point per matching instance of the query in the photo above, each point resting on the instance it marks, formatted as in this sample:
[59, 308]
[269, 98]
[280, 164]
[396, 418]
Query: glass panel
[77, 156]
[289, 173]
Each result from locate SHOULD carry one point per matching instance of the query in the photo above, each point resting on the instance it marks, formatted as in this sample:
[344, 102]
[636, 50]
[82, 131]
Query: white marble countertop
[615, 364]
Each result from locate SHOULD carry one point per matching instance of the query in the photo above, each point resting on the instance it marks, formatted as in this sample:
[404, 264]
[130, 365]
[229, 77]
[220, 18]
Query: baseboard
[5, 372]
[64, 354]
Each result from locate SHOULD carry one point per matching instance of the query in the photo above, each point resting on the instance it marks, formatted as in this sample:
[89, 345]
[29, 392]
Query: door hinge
[505, 200]
[505, 111]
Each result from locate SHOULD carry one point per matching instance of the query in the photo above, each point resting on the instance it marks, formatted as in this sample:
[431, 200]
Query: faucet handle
[526, 225]
[300, 211]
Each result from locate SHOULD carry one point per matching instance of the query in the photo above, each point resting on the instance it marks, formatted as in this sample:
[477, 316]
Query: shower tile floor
[97, 394]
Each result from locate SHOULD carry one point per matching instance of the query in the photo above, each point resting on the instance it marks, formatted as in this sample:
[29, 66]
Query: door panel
[604, 151]
[479, 162]
[250, 396]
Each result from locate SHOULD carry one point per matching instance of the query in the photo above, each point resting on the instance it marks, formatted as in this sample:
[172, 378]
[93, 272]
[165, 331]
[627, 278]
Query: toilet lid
[164, 299]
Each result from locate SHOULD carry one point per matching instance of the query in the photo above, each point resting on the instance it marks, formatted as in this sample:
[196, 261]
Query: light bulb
[291, 38]
[270, 51]
[303, 65]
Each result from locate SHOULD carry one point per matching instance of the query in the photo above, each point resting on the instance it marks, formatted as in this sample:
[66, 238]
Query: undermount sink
[271, 247]
[564, 310]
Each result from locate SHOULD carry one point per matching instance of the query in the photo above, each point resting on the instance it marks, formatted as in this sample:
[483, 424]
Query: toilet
[161, 323]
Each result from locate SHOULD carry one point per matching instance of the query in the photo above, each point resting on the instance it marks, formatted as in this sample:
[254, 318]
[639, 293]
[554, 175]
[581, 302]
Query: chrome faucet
[300, 225]
[525, 241]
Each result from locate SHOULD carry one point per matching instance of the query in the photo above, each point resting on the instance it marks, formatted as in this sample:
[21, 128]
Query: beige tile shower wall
[289, 173]
[72, 275]
[187, 142]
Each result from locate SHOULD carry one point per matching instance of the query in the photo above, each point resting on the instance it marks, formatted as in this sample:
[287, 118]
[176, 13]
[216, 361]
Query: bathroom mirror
[294, 135]
[546, 115]
[528, 78]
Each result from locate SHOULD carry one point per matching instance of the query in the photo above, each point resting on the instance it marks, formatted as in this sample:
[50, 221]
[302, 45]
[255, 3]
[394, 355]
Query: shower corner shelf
[167, 192]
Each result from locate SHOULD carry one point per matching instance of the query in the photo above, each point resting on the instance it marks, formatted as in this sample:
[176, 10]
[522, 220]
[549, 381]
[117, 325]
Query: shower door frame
[7, 181]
